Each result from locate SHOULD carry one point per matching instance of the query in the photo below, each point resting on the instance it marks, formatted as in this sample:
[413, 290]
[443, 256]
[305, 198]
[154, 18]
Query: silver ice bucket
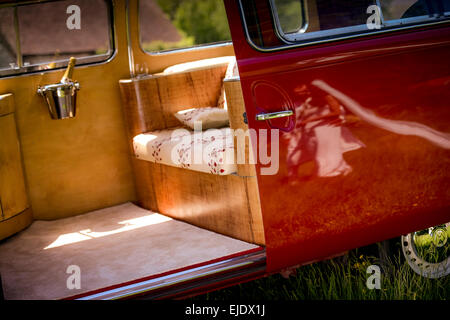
[61, 99]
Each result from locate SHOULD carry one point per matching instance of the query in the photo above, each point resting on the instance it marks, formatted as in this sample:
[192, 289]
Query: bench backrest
[150, 102]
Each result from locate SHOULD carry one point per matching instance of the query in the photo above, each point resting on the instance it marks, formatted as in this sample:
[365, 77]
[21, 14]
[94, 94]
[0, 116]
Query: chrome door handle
[274, 115]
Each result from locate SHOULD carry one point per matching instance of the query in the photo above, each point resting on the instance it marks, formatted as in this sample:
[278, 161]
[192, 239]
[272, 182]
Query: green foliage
[159, 45]
[102, 50]
[169, 7]
[204, 21]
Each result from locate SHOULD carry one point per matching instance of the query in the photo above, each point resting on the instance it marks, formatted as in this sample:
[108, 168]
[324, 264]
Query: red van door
[355, 95]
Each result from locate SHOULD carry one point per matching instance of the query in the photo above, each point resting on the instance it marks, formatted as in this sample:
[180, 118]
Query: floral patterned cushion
[210, 151]
[209, 117]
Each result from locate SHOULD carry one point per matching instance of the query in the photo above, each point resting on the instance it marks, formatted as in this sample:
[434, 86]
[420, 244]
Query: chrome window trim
[19, 56]
[250, 261]
[278, 28]
[92, 60]
[129, 47]
[60, 64]
[291, 44]
[188, 49]
[325, 33]
[404, 21]
[198, 47]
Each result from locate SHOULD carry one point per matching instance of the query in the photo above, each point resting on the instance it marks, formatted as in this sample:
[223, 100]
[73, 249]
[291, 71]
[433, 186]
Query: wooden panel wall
[14, 206]
[82, 164]
[225, 204]
[13, 194]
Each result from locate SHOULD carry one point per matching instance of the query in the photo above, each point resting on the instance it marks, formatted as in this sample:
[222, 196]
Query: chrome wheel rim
[427, 251]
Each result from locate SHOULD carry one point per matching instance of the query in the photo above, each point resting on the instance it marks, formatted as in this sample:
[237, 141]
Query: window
[43, 36]
[172, 24]
[7, 39]
[290, 15]
[306, 21]
[398, 12]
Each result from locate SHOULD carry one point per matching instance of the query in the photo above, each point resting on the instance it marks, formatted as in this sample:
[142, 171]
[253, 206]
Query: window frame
[21, 70]
[276, 18]
[335, 34]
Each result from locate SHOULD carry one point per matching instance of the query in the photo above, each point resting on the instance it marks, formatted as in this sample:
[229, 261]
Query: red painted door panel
[366, 155]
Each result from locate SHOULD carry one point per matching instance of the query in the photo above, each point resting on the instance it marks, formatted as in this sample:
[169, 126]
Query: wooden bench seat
[227, 204]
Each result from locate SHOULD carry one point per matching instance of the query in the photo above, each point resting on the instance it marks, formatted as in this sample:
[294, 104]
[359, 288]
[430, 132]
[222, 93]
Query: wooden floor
[110, 246]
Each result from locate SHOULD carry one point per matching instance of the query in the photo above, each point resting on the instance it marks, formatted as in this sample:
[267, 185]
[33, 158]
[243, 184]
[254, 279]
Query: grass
[426, 249]
[159, 45]
[343, 278]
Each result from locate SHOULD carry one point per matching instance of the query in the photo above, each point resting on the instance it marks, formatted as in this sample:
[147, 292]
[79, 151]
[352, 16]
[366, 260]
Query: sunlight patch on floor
[88, 234]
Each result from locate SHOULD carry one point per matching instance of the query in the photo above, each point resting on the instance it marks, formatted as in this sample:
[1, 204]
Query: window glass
[342, 13]
[290, 15]
[403, 9]
[171, 24]
[49, 33]
[7, 39]
[305, 21]
[396, 9]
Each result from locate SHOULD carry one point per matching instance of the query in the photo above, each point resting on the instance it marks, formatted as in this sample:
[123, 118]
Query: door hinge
[245, 117]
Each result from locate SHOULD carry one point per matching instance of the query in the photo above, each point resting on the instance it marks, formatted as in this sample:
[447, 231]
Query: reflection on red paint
[440, 139]
[320, 135]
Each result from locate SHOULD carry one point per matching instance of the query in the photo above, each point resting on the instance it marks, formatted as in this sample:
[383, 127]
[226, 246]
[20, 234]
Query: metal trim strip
[247, 261]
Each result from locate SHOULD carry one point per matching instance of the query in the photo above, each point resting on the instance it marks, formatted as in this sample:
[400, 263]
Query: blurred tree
[169, 7]
[203, 20]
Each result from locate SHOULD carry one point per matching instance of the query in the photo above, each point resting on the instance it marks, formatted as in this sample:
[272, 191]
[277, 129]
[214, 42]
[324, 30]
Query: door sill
[188, 281]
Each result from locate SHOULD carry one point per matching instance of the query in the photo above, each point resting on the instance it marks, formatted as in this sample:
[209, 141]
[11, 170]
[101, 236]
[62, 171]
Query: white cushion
[199, 64]
[209, 117]
[210, 151]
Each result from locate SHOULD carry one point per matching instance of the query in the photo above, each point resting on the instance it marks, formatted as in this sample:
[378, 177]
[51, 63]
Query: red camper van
[141, 161]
